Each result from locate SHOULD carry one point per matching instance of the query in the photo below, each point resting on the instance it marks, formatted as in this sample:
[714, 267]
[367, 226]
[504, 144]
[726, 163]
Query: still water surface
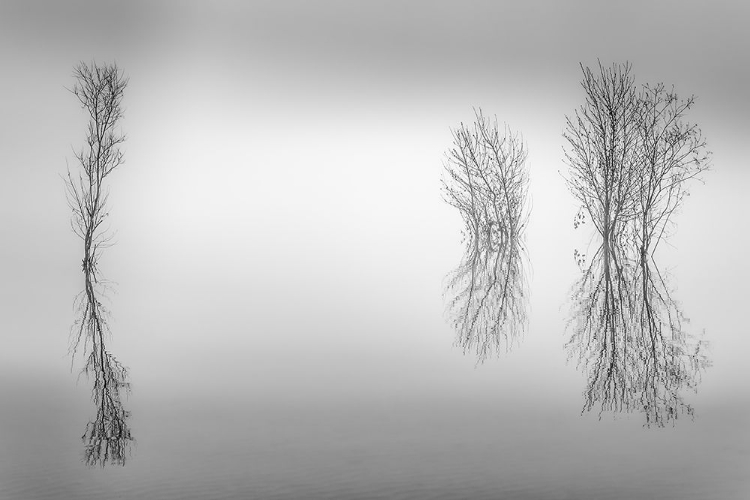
[424, 448]
[272, 369]
[372, 409]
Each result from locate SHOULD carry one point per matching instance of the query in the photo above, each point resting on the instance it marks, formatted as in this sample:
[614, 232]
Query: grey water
[306, 358]
[352, 385]
[286, 319]
[377, 446]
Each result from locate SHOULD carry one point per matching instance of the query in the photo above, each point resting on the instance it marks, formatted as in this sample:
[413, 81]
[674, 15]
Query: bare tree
[672, 153]
[99, 90]
[603, 153]
[486, 180]
[630, 156]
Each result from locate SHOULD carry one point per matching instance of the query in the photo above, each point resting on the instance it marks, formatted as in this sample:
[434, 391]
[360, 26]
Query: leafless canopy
[486, 180]
[672, 152]
[603, 150]
[630, 155]
[99, 90]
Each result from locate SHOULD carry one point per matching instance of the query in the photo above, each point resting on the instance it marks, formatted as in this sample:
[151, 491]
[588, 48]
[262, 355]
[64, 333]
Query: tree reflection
[487, 182]
[631, 154]
[670, 360]
[107, 438]
[99, 90]
[488, 303]
[627, 333]
[601, 336]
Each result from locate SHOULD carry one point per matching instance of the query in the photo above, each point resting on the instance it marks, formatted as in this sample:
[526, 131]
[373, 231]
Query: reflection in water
[631, 154]
[99, 90]
[488, 304]
[671, 360]
[107, 438]
[600, 339]
[627, 332]
[487, 182]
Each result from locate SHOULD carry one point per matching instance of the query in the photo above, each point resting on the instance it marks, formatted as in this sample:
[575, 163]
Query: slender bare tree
[603, 152]
[486, 180]
[672, 153]
[99, 90]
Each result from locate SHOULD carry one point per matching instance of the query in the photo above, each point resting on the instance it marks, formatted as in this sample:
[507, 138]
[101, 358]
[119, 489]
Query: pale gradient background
[281, 245]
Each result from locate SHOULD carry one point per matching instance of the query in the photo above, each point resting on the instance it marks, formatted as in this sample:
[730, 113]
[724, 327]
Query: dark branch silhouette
[486, 181]
[603, 152]
[630, 155]
[107, 438]
[100, 90]
[627, 333]
[600, 324]
[670, 359]
[672, 153]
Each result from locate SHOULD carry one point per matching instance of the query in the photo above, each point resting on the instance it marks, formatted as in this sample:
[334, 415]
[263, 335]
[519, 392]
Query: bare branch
[100, 90]
[486, 180]
[630, 155]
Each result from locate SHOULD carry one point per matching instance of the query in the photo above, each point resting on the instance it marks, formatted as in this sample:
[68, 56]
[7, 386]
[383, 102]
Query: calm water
[364, 396]
[271, 369]
[380, 447]
[282, 252]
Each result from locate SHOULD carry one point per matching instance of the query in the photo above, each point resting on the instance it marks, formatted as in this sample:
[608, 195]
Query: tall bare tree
[630, 155]
[486, 180]
[672, 153]
[100, 91]
[603, 152]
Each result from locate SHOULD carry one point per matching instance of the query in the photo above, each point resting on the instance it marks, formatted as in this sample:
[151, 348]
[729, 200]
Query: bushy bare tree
[630, 155]
[486, 180]
[100, 91]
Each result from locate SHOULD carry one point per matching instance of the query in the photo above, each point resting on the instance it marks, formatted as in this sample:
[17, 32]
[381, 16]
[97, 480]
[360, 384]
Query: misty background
[281, 245]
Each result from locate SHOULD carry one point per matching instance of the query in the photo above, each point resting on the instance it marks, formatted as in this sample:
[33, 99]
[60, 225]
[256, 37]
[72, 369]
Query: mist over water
[298, 310]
